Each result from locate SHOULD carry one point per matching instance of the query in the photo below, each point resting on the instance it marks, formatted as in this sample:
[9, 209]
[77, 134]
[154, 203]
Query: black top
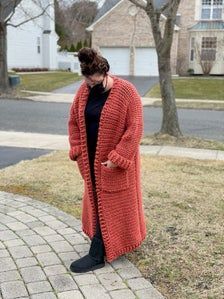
[93, 110]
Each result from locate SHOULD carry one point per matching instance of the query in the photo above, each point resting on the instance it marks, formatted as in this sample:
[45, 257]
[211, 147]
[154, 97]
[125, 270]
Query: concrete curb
[60, 142]
[68, 98]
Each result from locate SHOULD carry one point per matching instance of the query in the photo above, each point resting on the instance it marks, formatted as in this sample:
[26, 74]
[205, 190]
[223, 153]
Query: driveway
[12, 155]
[142, 84]
[71, 88]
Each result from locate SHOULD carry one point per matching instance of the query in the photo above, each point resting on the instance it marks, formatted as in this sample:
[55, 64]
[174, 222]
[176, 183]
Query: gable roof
[7, 8]
[108, 5]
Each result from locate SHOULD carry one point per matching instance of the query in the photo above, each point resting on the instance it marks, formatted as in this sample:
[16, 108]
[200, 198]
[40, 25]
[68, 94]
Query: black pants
[98, 233]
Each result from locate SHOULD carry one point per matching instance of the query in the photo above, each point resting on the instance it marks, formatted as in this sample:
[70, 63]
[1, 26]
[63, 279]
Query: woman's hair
[91, 62]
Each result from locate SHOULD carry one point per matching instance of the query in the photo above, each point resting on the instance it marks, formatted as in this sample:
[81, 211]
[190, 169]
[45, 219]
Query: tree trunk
[170, 123]
[4, 80]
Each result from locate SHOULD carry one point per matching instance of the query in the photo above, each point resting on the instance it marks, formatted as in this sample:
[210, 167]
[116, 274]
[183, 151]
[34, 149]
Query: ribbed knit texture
[119, 193]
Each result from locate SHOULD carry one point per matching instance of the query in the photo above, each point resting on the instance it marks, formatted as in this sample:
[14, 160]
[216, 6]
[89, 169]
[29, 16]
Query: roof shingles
[208, 25]
[109, 4]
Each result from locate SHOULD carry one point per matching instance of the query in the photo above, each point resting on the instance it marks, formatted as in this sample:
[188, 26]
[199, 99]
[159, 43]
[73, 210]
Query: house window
[208, 48]
[212, 9]
[38, 44]
[192, 49]
[178, 19]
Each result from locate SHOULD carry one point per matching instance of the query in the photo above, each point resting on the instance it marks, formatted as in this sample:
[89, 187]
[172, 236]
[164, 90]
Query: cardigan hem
[126, 249]
[117, 254]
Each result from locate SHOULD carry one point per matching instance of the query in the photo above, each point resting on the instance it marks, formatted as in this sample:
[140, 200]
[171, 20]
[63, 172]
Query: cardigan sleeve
[125, 150]
[73, 131]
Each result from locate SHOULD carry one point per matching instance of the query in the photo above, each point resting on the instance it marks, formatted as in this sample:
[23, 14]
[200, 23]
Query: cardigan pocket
[113, 179]
[80, 165]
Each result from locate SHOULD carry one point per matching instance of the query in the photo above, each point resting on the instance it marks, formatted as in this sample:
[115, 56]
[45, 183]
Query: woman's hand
[109, 164]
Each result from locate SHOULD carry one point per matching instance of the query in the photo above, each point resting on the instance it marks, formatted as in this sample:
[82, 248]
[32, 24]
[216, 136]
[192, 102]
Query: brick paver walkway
[37, 244]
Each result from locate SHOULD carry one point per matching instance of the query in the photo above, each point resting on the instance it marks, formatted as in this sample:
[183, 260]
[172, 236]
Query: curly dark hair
[91, 62]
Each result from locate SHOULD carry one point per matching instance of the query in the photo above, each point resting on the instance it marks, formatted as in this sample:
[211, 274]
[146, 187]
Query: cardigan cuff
[118, 159]
[74, 152]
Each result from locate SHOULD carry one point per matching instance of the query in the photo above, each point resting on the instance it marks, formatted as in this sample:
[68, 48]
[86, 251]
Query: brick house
[122, 33]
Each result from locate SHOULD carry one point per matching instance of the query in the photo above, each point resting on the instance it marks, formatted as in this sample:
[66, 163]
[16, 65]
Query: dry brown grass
[183, 253]
[52, 178]
[191, 142]
[194, 105]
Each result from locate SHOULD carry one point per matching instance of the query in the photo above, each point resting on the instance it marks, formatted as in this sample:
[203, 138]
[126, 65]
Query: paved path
[68, 98]
[60, 142]
[37, 244]
[71, 88]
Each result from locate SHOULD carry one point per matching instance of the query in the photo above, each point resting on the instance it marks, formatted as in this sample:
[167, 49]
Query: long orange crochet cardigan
[119, 195]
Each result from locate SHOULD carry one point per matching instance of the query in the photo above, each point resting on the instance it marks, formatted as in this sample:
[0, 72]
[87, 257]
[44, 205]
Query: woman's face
[94, 79]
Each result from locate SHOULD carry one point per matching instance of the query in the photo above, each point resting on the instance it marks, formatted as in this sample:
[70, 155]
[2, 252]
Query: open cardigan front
[119, 194]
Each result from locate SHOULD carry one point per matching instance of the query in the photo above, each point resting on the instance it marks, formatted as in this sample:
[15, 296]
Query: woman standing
[105, 127]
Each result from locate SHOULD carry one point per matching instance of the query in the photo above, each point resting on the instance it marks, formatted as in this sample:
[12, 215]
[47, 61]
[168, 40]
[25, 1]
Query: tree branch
[155, 22]
[163, 8]
[30, 19]
[6, 7]
[170, 23]
[173, 7]
[16, 2]
[150, 9]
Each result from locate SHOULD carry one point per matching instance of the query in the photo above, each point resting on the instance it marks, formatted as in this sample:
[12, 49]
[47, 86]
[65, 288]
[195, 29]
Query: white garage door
[118, 59]
[146, 62]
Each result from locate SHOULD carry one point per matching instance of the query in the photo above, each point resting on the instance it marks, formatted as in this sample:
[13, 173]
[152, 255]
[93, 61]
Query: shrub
[190, 71]
[33, 69]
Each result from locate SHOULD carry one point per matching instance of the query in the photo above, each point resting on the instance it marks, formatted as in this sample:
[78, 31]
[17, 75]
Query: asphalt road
[52, 118]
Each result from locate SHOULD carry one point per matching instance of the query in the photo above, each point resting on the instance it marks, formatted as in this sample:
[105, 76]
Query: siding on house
[187, 11]
[206, 29]
[33, 44]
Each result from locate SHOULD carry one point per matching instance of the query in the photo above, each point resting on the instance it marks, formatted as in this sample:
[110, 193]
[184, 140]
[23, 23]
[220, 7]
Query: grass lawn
[185, 141]
[183, 253]
[46, 81]
[194, 88]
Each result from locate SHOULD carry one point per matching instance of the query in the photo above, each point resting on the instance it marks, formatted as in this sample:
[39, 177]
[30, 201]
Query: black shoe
[93, 260]
[85, 264]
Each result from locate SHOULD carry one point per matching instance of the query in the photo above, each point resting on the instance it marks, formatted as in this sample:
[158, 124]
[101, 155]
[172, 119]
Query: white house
[33, 44]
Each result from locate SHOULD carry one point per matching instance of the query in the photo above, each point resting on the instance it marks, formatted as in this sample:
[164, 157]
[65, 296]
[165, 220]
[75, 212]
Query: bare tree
[72, 19]
[208, 50]
[204, 59]
[7, 10]
[163, 37]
